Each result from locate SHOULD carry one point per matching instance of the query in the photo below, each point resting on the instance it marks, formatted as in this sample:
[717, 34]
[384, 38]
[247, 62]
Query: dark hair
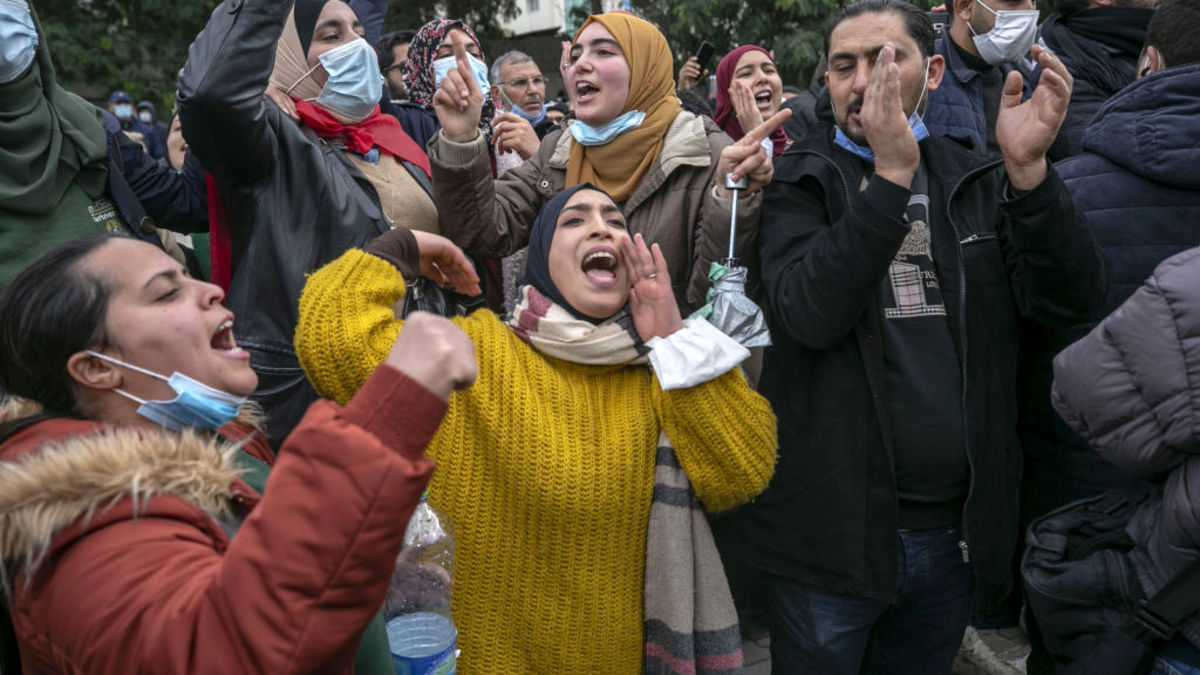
[1174, 31]
[916, 21]
[51, 310]
[387, 42]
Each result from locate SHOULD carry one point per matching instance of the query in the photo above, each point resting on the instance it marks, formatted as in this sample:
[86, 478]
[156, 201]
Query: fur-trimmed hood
[77, 476]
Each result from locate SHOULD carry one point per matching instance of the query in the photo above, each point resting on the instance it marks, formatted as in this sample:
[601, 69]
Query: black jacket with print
[828, 235]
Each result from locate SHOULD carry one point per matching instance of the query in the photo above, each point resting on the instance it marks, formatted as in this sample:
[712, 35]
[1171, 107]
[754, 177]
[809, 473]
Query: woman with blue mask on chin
[630, 137]
[297, 194]
[138, 529]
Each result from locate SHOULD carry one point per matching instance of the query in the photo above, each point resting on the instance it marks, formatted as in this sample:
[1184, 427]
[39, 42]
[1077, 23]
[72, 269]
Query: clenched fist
[435, 352]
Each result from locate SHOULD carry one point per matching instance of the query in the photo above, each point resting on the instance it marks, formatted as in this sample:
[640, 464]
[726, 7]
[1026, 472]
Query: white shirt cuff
[693, 355]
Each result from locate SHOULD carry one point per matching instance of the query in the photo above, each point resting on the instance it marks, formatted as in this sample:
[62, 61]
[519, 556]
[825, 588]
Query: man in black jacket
[896, 265]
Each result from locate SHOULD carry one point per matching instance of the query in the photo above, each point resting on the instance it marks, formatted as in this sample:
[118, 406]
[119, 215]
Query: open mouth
[584, 91]
[763, 98]
[223, 340]
[600, 266]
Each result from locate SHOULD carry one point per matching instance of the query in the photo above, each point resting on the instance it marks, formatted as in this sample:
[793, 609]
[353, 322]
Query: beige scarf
[554, 331]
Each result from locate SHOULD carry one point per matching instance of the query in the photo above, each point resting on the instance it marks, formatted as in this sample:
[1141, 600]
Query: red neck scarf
[377, 130]
[726, 117]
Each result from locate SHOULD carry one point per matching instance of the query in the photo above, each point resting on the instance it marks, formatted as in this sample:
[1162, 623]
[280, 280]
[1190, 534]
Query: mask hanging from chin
[914, 122]
[195, 406]
[354, 86]
[519, 112]
[1010, 38]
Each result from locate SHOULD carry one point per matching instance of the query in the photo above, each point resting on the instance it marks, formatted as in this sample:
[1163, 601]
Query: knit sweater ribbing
[546, 469]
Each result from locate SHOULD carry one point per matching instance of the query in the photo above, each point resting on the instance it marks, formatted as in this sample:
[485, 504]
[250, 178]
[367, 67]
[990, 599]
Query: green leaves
[135, 45]
[794, 29]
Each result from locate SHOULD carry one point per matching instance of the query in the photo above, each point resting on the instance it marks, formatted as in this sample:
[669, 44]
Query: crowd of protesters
[238, 345]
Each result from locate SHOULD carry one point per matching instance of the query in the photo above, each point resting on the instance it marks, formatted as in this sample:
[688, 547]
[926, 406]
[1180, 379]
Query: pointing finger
[758, 133]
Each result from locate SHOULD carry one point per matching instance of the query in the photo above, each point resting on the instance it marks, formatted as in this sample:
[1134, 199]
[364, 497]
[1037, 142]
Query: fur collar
[70, 479]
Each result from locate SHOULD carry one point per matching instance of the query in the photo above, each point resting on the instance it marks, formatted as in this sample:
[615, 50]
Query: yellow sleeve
[724, 436]
[347, 326]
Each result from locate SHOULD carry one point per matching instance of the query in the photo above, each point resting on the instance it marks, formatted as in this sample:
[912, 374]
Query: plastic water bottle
[420, 630]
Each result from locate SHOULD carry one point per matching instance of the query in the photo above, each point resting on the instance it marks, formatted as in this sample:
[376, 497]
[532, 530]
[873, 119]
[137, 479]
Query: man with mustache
[897, 266]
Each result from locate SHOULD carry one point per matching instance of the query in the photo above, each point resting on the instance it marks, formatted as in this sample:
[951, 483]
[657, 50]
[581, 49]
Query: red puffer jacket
[116, 549]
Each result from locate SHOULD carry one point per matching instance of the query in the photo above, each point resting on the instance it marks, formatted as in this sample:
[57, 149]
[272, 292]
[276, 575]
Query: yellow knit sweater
[546, 468]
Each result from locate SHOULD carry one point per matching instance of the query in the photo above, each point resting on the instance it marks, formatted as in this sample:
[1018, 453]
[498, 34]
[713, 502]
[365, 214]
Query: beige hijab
[292, 74]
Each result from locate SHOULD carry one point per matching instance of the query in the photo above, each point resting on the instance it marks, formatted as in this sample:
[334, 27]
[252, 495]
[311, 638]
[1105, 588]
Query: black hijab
[537, 264]
[307, 13]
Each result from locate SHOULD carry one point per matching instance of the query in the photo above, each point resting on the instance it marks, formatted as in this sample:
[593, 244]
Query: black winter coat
[829, 516]
[294, 201]
[1138, 186]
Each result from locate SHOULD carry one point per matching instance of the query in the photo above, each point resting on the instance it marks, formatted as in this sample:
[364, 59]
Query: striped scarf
[691, 625]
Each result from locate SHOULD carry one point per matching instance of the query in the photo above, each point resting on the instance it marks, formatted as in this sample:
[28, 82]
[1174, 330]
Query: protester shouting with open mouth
[664, 166]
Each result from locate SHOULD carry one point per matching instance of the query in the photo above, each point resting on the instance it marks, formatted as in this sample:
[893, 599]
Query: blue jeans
[816, 630]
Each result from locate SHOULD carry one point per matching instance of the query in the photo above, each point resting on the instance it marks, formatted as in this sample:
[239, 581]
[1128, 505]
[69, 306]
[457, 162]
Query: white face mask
[1010, 38]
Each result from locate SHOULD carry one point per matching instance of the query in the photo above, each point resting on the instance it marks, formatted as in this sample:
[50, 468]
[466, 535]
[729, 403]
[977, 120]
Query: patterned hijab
[619, 166]
[418, 67]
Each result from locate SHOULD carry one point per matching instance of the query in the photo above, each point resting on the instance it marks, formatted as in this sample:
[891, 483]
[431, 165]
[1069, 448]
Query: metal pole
[735, 188]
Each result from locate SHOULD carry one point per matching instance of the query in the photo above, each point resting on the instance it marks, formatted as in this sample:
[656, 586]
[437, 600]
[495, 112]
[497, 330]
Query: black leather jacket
[830, 515]
[294, 201]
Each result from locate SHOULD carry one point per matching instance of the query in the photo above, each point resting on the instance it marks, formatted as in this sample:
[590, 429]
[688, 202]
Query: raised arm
[293, 590]
[347, 325]
[221, 104]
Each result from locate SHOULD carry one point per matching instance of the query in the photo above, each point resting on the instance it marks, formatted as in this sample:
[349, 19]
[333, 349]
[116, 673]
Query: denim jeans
[816, 630]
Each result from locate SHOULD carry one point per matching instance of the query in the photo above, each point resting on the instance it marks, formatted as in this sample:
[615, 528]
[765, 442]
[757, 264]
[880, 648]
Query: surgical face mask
[123, 111]
[195, 406]
[1010, 38]
[586, 134]
[920, 132]
[479, 71]
[354, 86]
[146, 117]
[18, 39]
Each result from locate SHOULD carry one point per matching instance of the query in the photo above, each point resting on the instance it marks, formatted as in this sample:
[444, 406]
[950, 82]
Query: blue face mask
[123, 111]
[18, 39]
[586, 134]
[516, 109]
[195, 406]
[479, 71]
[914, 122]
[354, 85]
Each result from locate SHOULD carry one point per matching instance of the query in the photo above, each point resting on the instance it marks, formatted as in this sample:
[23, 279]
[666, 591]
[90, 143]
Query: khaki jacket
[674, 206]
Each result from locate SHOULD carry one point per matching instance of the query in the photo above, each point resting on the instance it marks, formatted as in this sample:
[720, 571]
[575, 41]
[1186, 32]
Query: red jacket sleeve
[293, 590]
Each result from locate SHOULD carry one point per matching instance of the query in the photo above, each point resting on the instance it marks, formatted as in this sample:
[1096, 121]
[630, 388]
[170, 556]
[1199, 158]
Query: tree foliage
[139, 46]
[793, 29]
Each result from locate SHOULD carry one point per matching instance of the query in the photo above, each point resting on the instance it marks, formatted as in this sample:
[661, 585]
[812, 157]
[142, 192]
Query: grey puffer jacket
[1131, 388]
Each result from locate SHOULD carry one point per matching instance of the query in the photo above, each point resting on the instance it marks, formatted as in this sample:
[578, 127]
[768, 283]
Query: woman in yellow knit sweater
[546, 465]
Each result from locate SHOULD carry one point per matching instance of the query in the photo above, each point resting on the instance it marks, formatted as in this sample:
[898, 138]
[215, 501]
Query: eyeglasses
[522, 82]
[397, 66]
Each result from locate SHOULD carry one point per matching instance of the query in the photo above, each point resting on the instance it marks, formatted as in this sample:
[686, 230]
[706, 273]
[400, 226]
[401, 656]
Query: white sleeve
[693, 355]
